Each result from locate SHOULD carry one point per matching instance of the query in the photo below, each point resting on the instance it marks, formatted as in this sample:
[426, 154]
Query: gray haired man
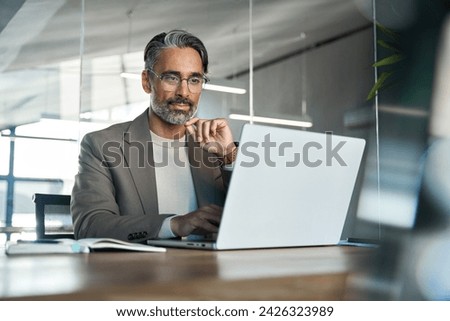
[163, 174]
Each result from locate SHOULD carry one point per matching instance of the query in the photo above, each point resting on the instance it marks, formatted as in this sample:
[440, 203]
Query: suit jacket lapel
[138, 152]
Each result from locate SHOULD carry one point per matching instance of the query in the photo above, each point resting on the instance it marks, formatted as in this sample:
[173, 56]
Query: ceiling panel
[115, 27]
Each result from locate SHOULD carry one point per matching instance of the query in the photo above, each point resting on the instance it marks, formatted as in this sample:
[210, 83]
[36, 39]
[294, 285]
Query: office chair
[53, 219]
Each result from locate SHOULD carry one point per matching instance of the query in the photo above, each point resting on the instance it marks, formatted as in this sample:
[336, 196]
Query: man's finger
[192, 121]
[191, 130]
[207, 223]
[212, 208]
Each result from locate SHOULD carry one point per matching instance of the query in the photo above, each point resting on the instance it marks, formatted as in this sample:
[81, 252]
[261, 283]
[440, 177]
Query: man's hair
[174, 39]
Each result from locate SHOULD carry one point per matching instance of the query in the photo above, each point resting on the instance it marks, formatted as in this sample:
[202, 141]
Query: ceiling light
[225, 89]
[130, 75]
[270, 120]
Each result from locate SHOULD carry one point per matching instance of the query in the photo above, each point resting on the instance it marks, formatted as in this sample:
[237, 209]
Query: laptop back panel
[289, 188]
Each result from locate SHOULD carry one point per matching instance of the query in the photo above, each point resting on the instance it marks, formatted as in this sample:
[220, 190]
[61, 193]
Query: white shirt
[174, 184]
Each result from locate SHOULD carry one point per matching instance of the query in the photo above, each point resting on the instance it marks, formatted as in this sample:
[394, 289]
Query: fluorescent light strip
[224, 89]
[269, 120]
[130, 75]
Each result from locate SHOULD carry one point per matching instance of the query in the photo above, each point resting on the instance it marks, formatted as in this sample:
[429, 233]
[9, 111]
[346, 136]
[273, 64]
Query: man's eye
[195, 80]
[170, 78]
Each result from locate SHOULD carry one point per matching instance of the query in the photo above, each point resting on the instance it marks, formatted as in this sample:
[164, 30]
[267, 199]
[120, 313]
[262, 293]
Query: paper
[87, 245]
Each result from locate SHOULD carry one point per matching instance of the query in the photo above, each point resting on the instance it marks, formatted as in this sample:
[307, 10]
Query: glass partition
[315, 68]
[406, 44]
[77, 66]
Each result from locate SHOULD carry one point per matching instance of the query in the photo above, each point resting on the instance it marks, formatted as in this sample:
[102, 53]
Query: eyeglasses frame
[160, 76]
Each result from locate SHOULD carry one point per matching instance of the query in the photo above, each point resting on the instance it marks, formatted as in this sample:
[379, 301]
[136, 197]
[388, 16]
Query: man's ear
[145, 80]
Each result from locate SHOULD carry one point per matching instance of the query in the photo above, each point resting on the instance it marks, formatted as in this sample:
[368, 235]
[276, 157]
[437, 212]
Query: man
[161, 175]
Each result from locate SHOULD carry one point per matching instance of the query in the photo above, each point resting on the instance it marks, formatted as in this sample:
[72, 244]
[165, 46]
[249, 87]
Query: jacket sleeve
[94, 206]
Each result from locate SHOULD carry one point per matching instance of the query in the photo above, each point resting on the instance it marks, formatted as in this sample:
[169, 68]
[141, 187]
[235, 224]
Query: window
[4, 156]
[3, 191]
[41, 158]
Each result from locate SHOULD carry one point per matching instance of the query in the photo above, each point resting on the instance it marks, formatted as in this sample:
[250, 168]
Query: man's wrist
[166, 231]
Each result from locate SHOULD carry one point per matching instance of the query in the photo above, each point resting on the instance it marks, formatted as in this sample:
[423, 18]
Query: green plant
[391, 45]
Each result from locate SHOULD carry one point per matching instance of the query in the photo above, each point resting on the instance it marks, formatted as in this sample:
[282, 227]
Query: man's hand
[214, 135]
[205, 220]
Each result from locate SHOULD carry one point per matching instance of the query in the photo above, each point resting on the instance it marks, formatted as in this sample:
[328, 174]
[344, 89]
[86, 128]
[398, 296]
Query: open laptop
[289, 188]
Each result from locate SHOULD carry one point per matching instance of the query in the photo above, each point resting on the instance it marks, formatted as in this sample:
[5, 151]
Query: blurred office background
[68, 67]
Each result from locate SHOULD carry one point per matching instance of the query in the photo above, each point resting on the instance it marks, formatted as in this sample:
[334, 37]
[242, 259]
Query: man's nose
[183, 88]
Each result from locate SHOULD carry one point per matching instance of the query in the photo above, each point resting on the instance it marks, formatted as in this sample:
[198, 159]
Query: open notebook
[55, 246]
[289, 188]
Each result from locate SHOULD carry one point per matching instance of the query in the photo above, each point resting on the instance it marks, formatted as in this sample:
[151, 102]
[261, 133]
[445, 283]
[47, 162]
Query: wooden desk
[313, 273]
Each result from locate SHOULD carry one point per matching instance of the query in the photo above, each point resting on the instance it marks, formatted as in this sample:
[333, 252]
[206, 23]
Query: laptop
[289, 188]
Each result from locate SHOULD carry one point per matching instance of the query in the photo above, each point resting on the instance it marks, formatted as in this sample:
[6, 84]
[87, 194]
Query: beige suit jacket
[115, 194]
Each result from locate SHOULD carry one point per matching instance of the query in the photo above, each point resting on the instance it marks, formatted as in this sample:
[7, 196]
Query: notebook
[64, 246]
[289, 188]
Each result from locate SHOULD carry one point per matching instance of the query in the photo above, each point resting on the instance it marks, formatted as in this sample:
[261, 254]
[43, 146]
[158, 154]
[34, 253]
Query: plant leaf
[387, 45]
[379, 84]
[388, 32]
[389, 60]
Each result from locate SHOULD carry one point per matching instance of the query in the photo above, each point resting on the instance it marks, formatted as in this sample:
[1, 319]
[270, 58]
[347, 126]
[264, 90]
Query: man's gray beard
[174, 117]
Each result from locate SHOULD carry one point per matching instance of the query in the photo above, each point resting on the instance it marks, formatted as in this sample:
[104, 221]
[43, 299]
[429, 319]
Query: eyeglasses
[171, 81]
